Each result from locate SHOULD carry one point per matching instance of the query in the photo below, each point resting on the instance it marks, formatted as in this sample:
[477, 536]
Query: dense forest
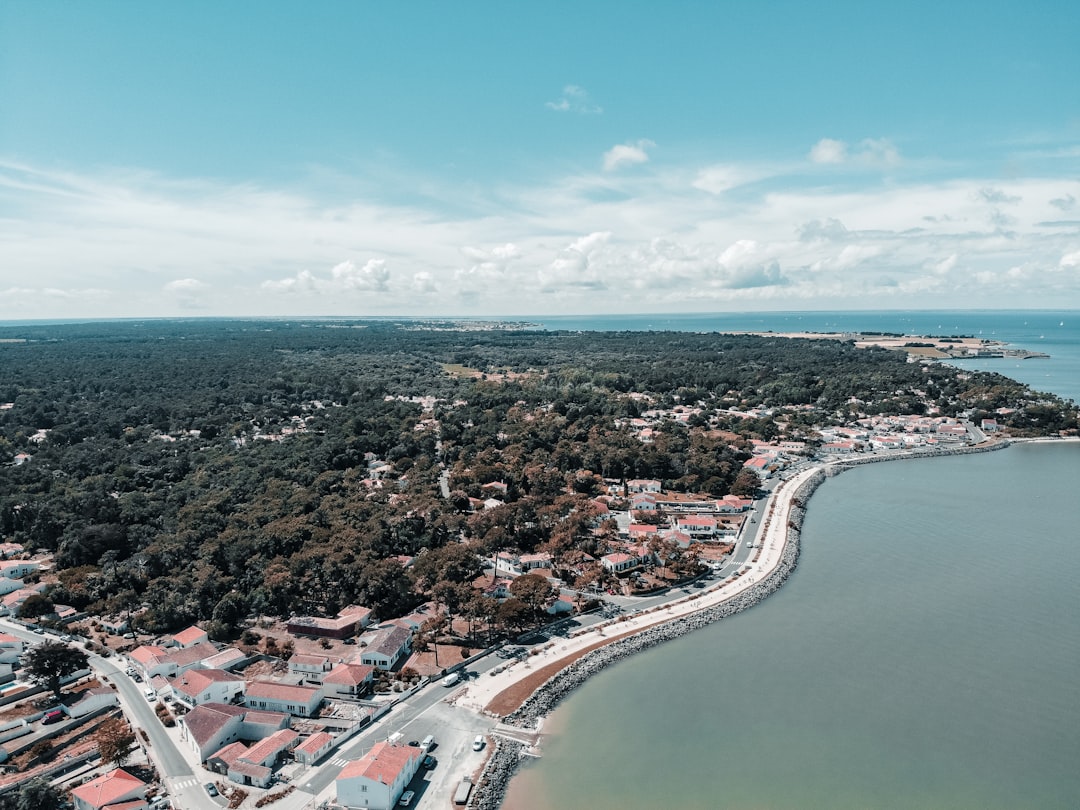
[208, 470]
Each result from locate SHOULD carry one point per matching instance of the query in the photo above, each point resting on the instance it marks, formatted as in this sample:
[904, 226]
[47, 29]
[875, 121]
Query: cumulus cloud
[828, 150]
[830, 230]
[188, 292]
[578, 265]
[304, 281]
[575, 99]
[373, 275]
[627, 154]
[1066, 203]
[747, 264]
[487, 265]
[720, 178]
[869, 151]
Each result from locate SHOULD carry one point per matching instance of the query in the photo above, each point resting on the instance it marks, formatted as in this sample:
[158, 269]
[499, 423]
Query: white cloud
[579, 264]
[185, 285]
[828, 150]
[627, 154]
[575, 99]
[661, 238]
[304, 281]
[188, 293]
[372, 276]
[720, 178]
[869, 152]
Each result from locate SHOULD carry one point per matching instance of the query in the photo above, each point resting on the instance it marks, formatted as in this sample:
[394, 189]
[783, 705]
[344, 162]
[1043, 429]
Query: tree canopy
[50, 662]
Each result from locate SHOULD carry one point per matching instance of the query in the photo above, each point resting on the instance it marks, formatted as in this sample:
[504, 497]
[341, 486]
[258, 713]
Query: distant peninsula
[931, 347]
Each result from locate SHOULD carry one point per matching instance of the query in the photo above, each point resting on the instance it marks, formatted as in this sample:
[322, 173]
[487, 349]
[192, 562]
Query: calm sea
[924, 655]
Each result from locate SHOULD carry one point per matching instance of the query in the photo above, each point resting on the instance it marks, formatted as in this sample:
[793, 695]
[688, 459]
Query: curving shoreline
[504, 761]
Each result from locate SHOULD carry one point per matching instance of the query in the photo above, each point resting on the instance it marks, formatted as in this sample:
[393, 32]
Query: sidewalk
[479, 694]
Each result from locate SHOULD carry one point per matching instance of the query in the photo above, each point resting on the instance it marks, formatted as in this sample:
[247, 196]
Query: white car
[406, 798]
[478, 743]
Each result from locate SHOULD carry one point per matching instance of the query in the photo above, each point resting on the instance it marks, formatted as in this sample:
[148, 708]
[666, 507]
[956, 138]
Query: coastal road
[414, 719]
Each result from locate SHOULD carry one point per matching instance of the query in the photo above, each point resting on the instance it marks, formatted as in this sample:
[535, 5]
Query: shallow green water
[926, 654]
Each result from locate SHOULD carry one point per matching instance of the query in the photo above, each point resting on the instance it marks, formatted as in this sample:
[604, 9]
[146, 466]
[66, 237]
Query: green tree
[114, 740]
[37, 794]
[51, 661]
[35, 605]
[533, 591]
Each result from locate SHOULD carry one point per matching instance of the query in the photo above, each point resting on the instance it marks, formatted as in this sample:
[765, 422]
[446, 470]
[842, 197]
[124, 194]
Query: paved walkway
[480, 693]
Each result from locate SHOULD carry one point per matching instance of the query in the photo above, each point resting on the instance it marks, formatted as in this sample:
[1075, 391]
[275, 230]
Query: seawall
[506, 758]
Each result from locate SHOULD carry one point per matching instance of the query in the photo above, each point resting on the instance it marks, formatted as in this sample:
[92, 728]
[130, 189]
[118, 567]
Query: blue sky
[495, 159]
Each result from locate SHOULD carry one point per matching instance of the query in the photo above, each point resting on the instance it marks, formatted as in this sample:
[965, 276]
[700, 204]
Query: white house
[10, 648]
[310, 667]
[313, 748]
[190, 637]
[387, 647]
[348, 680]
[17, 569]
[300, 701]
[378, 778]
[212, 726]
[198, 686]
[117, 788]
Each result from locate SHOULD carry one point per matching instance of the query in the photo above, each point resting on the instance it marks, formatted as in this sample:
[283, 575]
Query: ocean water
[925, 654]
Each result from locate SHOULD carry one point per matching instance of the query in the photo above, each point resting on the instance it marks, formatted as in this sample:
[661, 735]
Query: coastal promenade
[563, 665]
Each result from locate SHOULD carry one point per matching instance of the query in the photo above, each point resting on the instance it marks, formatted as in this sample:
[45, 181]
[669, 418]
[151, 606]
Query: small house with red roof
[299, 701]
[313, 748]
[378, 778]
[116, 790]
[349, 680]
[190, 637]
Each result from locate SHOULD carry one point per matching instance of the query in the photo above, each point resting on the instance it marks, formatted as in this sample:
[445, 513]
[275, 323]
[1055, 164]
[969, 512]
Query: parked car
[406, 798]
[478, 743]
[211, 788]
[451, 679]
[429, 762]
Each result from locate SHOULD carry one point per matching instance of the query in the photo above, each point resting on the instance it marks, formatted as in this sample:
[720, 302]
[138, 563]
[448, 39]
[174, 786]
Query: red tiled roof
[190, 635]
[272, 690]
[383, 763]
[259, 753]
[205, 721]
[314, 743]
[349, 674]
[108, 789]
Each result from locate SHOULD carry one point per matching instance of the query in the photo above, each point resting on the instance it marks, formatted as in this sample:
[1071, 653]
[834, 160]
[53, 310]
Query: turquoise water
[924, 655]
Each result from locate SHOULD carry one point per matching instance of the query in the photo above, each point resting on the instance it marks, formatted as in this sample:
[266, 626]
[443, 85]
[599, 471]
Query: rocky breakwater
[507, 756]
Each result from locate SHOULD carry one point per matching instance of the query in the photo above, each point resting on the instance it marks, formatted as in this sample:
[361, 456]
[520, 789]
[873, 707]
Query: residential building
[387, 647]
[212, 726]
[198, 686]
[348, 622]
[313, 748]
[378, 778]
[349, 680]
[190, 637]
[299, 701]
[116, 790]
[310, 667]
